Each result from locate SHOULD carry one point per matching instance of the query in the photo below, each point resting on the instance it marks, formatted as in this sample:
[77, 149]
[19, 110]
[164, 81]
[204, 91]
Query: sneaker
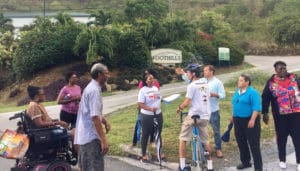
[282, 165]
[298, 167]
[186, 168]
[209, 165]
[243, 166]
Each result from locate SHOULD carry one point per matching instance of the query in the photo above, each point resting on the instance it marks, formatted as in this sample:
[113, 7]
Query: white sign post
[224, 54]
[166, 56]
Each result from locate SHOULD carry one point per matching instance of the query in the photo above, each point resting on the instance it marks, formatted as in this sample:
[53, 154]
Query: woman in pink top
[69, 97]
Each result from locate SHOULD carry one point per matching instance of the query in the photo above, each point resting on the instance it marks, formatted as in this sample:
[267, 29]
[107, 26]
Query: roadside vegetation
[123, 122]
[124, 32]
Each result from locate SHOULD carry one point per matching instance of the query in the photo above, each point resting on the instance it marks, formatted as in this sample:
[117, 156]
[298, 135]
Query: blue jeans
[215, 124]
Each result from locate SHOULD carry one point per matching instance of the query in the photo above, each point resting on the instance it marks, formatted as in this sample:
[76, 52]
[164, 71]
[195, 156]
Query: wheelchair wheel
[59, 166]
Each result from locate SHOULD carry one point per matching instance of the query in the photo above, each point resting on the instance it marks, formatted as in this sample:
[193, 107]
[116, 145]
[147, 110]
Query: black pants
[147, 128]
[248, 136]
[135, 138]
[286, 125]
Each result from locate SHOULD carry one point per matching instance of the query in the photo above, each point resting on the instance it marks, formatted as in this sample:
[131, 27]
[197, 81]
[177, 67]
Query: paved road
[120, 100]
[265, 63]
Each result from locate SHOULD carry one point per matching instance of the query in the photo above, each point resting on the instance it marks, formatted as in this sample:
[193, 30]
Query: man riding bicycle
[197, 97]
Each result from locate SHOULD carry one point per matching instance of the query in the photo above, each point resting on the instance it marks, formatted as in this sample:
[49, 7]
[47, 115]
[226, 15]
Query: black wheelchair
[50, 149]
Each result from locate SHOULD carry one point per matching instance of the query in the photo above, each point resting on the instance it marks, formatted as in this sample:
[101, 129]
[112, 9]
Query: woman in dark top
[282, 91]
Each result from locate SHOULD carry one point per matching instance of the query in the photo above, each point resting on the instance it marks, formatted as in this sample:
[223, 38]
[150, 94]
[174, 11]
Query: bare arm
[184, 104]
[251, 122]
[98, 126]
[106, 124]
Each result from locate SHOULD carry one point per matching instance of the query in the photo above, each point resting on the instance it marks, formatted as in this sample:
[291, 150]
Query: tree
[7, 46]
[132, 51]
[285, 25]
[214, 24]
[102, 18]
[155, 9]
[286, 31]
[5, 24]
[96, 44]
[46, 45]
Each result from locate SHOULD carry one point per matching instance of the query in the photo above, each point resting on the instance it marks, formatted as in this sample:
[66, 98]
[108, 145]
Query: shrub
[236, 53]
[43, 48]
[207, 51]
[7, 77]
[132, 51]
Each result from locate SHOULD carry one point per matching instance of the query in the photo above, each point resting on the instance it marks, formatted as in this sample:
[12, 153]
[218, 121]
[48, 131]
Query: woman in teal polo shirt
[246, 103]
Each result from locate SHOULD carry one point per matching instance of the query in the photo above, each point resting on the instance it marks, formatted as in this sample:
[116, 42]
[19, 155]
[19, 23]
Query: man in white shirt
[197, 97]
[89, 134]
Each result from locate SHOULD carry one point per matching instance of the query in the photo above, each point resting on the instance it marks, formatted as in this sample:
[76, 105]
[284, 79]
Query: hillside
[176, 6]
[42, 79]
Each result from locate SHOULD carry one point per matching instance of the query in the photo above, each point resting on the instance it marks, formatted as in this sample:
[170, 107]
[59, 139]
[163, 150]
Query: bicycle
[199, 154]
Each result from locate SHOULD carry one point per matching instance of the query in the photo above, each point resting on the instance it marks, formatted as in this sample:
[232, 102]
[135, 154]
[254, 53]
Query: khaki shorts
[186, 132]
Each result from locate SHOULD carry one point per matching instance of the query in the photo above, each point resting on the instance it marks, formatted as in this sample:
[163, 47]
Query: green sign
[224, 54]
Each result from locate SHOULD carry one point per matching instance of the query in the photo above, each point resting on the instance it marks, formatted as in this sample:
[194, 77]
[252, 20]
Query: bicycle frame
[198, 151]
[157, 138]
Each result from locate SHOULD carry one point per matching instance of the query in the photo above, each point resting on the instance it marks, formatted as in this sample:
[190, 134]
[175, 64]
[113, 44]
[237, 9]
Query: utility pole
[44, 9]
[171, 8]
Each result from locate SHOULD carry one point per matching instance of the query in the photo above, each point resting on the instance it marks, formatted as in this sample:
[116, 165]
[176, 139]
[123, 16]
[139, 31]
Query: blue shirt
[90, 105]
[243, 104]
[215, 86]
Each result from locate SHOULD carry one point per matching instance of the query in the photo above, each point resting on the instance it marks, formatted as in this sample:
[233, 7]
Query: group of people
[83, 113]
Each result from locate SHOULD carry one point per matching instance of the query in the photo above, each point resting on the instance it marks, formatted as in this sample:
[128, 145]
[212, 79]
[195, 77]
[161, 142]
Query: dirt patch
[41, 79]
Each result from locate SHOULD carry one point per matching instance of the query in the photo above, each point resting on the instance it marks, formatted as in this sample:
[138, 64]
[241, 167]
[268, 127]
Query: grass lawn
[123, 122]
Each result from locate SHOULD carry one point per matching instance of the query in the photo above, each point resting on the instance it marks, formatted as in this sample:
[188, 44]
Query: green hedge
[41, 49]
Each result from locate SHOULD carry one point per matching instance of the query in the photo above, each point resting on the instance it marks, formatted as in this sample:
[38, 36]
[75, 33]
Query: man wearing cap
[197, 97]
[89, 134]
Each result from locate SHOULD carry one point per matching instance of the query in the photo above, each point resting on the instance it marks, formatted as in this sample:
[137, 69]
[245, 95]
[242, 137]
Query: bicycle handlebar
[181, 114]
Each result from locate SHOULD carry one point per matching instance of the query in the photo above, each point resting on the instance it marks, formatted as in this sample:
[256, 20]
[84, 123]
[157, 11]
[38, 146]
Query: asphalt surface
[123, 99]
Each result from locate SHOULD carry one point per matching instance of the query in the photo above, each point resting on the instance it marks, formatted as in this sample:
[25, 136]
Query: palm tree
[102, 18]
